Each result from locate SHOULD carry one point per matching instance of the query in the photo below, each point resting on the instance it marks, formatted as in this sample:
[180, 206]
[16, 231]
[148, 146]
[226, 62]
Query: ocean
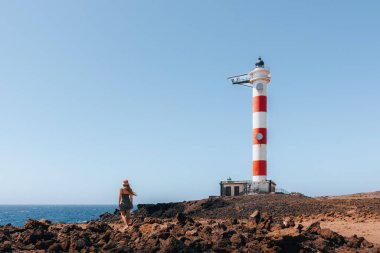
[18, 214]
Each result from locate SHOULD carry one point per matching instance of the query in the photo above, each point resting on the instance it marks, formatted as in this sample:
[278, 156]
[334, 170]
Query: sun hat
[125, 182]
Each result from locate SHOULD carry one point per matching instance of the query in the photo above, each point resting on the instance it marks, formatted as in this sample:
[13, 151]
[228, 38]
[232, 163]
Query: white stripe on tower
[259, 152]
[259, 119]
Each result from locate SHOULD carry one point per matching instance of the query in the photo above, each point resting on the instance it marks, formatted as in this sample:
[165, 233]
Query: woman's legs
[128, 217]
[123, 217]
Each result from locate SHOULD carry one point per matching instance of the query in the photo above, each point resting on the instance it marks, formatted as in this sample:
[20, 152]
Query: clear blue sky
[92, 92]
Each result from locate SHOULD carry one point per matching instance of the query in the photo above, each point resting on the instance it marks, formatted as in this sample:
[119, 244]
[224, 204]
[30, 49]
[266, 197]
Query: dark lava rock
[238, 240]
[99, 227]
[5, 235]
[31, 224]
[32, 236]
[189, 230]
[55, 248]
[213, 203]
[160, 210]
[255, 216]
[314, 228]
[332, 236]
[111, 218]
[171, 245]
[354, 241]
[6, 246]
[77, 244]
[44, 244]
[182, 219]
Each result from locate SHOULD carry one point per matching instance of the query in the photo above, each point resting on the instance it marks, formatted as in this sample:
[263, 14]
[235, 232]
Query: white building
[236, 188]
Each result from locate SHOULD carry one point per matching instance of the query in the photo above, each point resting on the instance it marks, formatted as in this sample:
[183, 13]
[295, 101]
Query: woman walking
[126, 202]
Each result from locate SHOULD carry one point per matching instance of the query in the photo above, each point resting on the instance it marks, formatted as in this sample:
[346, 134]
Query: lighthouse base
[236, 188]
[264, 186]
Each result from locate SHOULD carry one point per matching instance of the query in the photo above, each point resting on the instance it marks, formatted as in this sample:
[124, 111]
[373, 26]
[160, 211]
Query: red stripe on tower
[259, 103]
[259, 168]
[259, 136]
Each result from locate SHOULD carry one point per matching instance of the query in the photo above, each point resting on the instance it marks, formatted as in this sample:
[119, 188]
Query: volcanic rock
[31, 224]
[234, 224]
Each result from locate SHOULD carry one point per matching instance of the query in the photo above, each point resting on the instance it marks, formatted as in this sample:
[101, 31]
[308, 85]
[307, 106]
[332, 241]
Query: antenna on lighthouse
[245, 79]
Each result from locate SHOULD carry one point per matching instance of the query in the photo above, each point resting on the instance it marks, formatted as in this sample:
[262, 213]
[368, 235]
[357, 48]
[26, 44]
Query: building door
[228, 190]
[236, 191]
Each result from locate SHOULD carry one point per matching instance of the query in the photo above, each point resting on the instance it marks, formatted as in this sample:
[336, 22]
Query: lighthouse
[258, 80]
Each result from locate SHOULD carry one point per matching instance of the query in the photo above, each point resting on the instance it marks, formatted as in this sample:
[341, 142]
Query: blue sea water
[18, 214]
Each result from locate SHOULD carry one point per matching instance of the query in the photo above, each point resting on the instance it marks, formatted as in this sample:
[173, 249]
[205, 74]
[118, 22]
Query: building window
[236, 190]
[228, 190]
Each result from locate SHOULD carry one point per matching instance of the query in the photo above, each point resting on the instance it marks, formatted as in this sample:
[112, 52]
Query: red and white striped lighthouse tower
[259, 78]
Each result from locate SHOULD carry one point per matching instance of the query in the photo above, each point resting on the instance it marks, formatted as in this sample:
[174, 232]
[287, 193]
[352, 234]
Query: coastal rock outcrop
[259, 223]
[257, 233]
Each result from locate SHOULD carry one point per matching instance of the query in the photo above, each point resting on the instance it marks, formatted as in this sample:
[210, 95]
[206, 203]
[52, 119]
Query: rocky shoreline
[180, 234]
[208, 225]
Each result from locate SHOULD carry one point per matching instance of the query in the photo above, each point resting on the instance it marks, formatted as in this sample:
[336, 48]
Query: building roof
[235, 182]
